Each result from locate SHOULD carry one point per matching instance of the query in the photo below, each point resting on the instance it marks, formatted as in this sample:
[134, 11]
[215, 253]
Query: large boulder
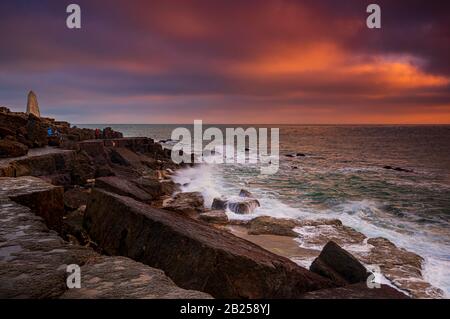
[194, 255]
[123, 187]
[82, 168]
[339, 265]
[10, 148]
[151, 186]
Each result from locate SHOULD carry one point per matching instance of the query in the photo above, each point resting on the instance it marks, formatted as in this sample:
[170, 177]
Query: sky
[223, 61]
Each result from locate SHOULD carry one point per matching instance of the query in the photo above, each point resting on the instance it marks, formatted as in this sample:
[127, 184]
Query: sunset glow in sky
[221, 61]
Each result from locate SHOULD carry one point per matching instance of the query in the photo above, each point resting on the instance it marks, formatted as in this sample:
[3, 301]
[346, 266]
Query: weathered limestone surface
[356, 291]
[123, 278]
[44, 199]
[193, 254]
[32, 104]
[33, 263]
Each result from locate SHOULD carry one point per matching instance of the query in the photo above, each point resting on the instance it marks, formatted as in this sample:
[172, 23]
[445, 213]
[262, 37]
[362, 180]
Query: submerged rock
[245, 193]
[219, 204]
[244, 206]
[339, 265]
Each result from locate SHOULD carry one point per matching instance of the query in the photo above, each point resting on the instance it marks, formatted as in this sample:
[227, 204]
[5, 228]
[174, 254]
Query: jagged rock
[189, 204]
[356, 291]
[401, 267]
[82, 168]
[109, 133]
[75, 198]
[63, 179]
[123, 187]
[4, 132]
[10, 148]
[214, 217]
[339, 265]
[32, 104]
[273, 226]
[73, 226]
[195, 255]
[44, 199]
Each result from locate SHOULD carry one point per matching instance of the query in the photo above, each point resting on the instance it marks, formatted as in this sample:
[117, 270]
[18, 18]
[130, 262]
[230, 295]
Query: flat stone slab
[33, 263]
[44, 199]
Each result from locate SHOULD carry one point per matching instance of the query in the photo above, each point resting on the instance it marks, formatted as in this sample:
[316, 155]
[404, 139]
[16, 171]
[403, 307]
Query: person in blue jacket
[49, 132]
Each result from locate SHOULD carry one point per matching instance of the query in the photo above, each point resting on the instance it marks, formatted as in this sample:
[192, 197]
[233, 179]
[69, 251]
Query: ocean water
[342, 176]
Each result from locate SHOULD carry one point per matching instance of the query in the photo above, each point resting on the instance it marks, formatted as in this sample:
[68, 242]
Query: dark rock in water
[75, 198]
[214, 217]
[188, 204]
[294, 167]
[272, 226]
[356, 291]
[194, 255]
[10, 148]
[290, 155]
[219, 204]
[245, 193]
[123, 187]
[339, 265]
[244, 206]
[300, 155]
[398, 169]
[44, 199]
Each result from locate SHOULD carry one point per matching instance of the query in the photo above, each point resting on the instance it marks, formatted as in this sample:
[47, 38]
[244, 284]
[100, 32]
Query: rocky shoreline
[109, 205]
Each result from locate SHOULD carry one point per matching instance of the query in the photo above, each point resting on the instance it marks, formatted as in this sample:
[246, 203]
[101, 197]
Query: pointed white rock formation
[32, 105]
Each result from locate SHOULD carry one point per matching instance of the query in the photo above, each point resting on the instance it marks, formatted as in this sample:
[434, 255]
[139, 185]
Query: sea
[343, 175]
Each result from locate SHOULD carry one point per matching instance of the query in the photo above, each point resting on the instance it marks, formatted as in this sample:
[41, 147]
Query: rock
[219, 204]
[273, 226]
[36, 132]
[194, 255]
[4, 132]
[290, 155]
[245, 193]
[168, 187]
[82, 168]
[124, 156]
[300, 155]
[401, 267]
[33, 262]
[123, 187]
[188, 204]
[356, 291]
[214, 217]
[75, 198]
[339, 265]
[58, 179]
[44, 199]
[32, 105]
[109, 133]
[151, 186]
[73, 226]
[120, 277]
[10, 148]
[244, 206]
